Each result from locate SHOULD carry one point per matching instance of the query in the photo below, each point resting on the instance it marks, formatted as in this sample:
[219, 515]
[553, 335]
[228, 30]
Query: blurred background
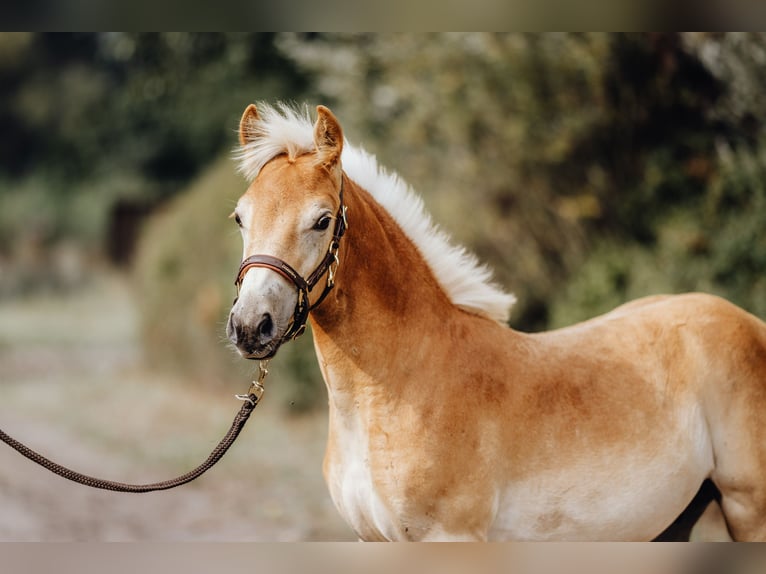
[586, 169]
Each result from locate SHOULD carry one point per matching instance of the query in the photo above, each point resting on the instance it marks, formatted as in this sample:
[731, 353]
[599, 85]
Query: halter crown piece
[328, 265]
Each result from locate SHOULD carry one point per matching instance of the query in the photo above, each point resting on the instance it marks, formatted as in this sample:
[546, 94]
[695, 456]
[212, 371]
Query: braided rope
[249, 403]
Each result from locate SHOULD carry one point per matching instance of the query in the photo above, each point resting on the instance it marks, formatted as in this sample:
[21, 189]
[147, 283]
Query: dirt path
[72, 386]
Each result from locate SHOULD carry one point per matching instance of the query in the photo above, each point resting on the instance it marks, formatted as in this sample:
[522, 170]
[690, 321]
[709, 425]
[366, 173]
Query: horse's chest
[349, 478]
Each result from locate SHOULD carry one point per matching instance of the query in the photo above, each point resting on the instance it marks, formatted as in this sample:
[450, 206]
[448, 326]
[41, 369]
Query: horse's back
[708, 320]
[678, 305]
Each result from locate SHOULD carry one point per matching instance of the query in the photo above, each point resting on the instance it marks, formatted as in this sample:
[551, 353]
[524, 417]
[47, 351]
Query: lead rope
[249, 402]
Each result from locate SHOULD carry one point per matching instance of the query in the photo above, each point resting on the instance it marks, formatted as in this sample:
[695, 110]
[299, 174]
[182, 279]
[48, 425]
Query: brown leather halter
[304, 286]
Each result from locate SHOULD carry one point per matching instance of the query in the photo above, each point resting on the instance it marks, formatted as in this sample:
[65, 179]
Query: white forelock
[467, 282]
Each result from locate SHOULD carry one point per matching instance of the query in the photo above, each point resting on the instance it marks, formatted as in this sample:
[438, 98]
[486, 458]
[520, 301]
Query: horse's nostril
[266, 326]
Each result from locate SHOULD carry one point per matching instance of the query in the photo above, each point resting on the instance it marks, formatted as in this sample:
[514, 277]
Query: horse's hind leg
[702, 520]
[745, 515]
[711, 526]
[740, 468]
[735, 407]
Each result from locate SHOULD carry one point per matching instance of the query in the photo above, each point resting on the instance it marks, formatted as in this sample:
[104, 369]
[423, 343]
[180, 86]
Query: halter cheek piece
[304, 286]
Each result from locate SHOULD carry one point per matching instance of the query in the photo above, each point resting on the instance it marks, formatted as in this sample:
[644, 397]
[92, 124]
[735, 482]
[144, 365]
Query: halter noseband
[304, 286]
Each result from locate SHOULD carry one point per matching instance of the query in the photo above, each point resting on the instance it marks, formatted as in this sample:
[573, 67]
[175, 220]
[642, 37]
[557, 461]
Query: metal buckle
[332, 268]
[256, 387]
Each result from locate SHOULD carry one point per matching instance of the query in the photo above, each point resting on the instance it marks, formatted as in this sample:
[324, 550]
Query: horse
[444, 422]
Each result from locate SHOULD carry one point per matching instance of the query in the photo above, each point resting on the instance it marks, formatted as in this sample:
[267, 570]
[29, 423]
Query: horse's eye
[237, 219]
[323, 223]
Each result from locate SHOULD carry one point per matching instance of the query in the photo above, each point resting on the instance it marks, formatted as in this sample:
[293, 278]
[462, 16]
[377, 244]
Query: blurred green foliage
[594, 167]
[586, 169]
[92, 123]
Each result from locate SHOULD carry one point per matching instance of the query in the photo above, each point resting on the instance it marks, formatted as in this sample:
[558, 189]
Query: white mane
[467, 282]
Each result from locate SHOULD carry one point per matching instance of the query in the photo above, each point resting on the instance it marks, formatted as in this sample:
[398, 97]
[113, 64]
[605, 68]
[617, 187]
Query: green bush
[185, 256]
[715, 245]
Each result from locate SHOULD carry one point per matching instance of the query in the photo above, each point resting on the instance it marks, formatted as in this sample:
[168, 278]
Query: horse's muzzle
[254, 341]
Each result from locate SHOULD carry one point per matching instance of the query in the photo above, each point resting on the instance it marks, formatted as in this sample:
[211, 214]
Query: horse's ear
[328, 138]
[247, 124]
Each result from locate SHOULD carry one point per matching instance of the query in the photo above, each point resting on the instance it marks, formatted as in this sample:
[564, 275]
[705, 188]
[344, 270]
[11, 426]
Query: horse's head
[291, 219]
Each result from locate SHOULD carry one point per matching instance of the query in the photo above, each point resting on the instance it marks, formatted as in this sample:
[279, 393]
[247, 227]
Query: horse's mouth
[262, 354]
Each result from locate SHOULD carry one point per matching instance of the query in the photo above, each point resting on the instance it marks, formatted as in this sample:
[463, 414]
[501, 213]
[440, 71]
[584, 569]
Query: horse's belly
[626, 499]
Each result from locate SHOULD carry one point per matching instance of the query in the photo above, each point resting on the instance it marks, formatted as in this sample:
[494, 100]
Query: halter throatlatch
[328, 265]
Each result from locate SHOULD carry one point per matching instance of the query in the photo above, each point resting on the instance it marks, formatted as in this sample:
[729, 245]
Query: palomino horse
[444, 422]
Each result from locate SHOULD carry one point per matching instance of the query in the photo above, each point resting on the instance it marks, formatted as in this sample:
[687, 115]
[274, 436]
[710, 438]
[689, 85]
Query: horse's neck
[386, 308]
